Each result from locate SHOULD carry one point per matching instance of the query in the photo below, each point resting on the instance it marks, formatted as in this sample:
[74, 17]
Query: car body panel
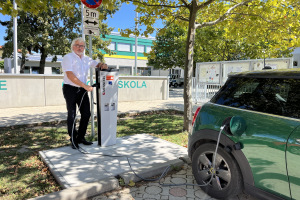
[264, 143]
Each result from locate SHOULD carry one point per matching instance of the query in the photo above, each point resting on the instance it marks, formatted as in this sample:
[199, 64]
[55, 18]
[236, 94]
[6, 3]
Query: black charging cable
[166, 170]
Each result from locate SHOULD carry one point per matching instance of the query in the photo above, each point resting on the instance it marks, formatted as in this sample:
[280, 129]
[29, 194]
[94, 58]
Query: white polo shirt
[79, 66]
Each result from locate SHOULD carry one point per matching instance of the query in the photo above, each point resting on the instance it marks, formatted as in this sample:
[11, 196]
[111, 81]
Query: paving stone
[178, 192]
[176, 198]
[201, 195]
[165, 191]
[151, 196]
[190, 193]
[178, 176]
[153, 190]
[178, 180]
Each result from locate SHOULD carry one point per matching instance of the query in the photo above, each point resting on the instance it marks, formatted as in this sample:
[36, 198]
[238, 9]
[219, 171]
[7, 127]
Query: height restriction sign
[92, 3]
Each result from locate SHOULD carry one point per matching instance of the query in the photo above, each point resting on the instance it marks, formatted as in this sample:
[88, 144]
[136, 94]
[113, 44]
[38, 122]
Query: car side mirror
[237, 125]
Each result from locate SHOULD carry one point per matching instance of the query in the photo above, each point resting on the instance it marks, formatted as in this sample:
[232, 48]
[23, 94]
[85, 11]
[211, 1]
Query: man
[75, 66]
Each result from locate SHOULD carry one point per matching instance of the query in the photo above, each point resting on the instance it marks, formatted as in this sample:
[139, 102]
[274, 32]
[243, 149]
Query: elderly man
[75, 66]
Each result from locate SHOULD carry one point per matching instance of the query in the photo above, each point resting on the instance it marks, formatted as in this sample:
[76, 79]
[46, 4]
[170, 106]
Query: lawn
[22, 173]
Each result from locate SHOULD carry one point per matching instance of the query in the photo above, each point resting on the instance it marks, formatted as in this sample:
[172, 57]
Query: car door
[293, 161]
[270, 119]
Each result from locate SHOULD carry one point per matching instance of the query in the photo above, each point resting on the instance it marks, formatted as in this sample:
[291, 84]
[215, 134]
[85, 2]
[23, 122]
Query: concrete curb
[83, 191]
[58, 177]
[150, 171]
[92, 189]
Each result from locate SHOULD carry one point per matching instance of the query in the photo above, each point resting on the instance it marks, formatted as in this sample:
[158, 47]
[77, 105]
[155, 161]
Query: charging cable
[166, 170]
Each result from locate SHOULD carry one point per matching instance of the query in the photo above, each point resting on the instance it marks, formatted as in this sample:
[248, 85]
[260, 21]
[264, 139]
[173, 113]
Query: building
[296, 58]
[124, 57]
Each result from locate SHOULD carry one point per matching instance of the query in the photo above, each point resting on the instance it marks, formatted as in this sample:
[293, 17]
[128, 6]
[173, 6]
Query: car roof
[268, 73]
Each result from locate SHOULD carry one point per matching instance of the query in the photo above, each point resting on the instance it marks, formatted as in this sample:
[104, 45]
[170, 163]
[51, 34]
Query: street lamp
[264, 58]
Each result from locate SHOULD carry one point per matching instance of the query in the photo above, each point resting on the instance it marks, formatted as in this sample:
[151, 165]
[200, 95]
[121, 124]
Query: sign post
[90, 21]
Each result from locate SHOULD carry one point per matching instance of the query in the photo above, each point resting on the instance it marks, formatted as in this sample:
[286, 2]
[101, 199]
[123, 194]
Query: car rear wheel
[226, 179]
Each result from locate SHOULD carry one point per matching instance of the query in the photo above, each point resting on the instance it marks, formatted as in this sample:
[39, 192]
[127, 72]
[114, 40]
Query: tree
[35, 7]
[46, 33]
[211, 45]
[50, 33]
[281, 17]
[168, 49]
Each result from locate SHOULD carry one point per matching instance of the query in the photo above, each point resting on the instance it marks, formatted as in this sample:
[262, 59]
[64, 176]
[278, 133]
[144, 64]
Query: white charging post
[107, 106]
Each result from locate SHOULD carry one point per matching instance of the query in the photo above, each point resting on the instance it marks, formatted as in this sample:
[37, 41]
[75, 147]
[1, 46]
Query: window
[143, 71]
[112, 46]
[148, 49]
[123, 47]
[125, 70]
[140, 48]
[112, 66]
[26, 70]
[274, 96]
[34, 70]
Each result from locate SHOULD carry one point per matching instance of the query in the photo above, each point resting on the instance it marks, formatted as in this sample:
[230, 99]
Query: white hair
[77, 40]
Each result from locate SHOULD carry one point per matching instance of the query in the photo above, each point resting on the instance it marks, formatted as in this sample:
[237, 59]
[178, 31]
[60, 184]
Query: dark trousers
[76, 96]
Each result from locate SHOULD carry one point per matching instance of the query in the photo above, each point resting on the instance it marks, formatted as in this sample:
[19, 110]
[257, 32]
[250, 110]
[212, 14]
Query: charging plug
[96, 85]
[238, 146]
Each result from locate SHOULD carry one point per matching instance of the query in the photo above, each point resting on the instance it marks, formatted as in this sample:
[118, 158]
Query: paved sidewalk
[37, 115]
[159, 190]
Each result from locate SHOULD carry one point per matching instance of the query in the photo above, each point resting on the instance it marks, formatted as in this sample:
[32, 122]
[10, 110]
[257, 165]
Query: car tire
[227, 179]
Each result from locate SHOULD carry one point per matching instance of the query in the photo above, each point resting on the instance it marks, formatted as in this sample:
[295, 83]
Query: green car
[247, 138]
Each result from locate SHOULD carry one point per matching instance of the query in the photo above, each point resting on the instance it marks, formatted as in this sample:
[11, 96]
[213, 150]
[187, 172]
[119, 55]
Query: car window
[274, 96]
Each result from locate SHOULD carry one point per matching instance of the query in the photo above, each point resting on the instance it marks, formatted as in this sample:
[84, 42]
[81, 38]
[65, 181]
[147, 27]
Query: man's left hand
[102, 66]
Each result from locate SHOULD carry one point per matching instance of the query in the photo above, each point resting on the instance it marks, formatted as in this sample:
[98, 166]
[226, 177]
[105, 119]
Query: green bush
[1, 64]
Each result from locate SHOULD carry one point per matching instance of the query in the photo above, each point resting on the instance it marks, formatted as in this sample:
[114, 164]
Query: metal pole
[82, 29]
[92, 93]
[135, 60]
[15, 35]
[264, 58]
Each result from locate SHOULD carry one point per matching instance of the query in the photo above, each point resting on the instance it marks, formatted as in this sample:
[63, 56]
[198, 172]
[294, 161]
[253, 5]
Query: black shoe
[74, 144]
[83, 141]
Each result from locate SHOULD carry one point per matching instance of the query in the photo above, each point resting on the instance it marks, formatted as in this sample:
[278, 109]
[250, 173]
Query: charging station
[107, 105]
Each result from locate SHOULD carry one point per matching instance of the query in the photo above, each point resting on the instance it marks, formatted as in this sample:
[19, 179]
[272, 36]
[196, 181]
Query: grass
[22, 173]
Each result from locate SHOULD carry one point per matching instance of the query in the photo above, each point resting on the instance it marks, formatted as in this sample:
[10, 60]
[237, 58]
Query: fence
[202, 92]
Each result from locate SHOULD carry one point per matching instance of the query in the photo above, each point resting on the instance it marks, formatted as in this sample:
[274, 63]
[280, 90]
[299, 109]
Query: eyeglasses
[79, 46]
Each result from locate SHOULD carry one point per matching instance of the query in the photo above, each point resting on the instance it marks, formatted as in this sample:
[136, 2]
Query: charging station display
[107, 106]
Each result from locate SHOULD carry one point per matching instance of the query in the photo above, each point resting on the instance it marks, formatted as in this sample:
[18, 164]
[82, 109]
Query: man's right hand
[88, 88]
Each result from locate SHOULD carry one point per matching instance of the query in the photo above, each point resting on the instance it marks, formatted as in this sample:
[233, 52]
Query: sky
[124, 18]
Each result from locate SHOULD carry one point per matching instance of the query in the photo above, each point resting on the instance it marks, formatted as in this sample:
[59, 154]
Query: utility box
[107, 105]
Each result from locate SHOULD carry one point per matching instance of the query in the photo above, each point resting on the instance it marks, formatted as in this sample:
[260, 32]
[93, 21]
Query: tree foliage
[168, 50]
[50, 32]
[257, 18]
[211, 45]
[35, 7]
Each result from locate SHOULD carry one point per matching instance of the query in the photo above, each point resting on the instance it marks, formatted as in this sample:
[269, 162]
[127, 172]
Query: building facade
[124, 57]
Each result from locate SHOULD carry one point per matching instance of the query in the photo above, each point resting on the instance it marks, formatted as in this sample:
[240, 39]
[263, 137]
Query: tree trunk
[43, 60]
[188, 70]
[23, 60]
